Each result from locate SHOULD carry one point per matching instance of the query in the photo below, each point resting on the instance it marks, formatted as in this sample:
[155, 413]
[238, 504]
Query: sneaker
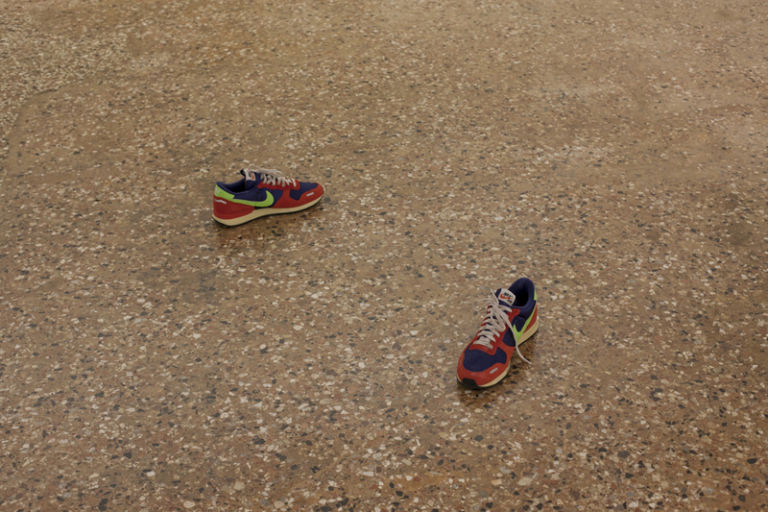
[510, 320]
[261, 192]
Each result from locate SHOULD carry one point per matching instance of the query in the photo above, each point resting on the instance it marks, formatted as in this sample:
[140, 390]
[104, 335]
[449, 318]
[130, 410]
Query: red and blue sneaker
[510, 320]
[262, 192]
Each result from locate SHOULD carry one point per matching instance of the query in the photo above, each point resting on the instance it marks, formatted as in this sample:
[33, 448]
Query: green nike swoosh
[266, 203]
[519, 332]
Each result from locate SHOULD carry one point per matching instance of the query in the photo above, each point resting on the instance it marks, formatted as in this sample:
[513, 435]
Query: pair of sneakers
[512, 314]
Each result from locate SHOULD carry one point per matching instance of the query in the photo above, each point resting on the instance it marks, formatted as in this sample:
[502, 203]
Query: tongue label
[249, 175]
[507, 296]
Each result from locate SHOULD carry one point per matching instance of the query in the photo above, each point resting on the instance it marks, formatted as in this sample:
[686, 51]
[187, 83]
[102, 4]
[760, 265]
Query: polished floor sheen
[614, 152]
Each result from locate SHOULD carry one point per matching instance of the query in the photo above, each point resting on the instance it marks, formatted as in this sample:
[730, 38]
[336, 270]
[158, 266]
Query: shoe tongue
[251, 177]
[506, 297]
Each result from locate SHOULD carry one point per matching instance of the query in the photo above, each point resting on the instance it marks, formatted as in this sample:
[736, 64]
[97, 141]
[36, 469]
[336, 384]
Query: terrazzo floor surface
[614, 152]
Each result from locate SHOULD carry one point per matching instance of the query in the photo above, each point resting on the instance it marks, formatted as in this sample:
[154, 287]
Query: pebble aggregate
[616, 153]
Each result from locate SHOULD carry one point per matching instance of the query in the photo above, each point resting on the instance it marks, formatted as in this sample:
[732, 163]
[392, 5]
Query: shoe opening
[523, 290]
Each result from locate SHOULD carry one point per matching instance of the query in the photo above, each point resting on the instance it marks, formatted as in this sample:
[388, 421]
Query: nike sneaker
[262, 192]
[510, 320]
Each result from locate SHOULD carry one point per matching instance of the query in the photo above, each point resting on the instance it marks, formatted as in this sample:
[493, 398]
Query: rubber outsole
[263, 212]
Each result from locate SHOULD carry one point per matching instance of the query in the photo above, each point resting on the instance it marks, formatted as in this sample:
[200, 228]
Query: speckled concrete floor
[614, 152]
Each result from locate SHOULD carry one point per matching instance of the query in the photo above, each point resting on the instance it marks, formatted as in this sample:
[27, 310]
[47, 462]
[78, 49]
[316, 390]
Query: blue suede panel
[477, 360]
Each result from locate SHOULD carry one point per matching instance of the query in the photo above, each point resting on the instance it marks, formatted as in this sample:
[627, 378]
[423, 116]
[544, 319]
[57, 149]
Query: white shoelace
[272, 177]
[495, 321]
